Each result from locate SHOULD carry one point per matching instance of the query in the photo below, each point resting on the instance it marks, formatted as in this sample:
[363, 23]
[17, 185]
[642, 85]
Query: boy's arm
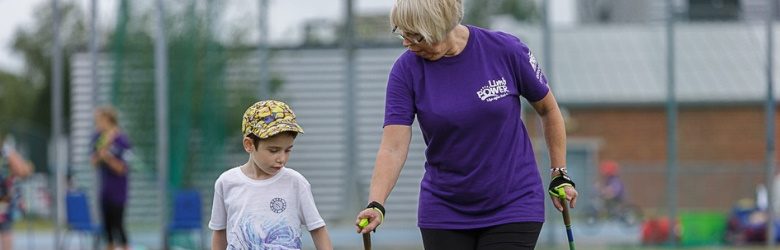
[219, 240]
[321, 238]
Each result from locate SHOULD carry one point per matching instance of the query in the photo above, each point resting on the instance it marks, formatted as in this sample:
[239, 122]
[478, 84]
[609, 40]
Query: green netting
[196, 63]
[132, 90]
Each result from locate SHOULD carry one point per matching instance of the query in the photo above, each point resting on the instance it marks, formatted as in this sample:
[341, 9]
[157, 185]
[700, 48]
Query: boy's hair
[256, 140]
[268, 118]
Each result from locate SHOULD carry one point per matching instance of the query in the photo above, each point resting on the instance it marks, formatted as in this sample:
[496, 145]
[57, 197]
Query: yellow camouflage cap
[267, 118]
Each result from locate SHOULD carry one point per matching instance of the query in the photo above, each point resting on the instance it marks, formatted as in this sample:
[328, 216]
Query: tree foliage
[35, 43]
[16, 102]
[200, 113]
[478, 12]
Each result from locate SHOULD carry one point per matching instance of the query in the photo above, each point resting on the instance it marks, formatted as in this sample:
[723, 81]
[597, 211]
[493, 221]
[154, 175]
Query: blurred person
[110, 146]
[748, 219]
[482, 188]
[609, 185]
[262, 204]
[610, 201]
[14, 167]
[776, 190]
[656, 230]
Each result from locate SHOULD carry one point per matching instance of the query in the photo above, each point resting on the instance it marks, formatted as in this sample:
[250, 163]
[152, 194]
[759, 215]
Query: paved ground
[605, 237]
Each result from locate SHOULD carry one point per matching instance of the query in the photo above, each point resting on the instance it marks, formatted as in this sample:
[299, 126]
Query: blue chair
[79, 217]
[187, 214]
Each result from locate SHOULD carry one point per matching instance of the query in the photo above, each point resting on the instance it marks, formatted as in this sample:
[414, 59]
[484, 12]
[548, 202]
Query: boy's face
[271, 154]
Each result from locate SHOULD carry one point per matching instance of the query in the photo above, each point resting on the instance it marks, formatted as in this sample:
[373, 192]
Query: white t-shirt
[263, 214]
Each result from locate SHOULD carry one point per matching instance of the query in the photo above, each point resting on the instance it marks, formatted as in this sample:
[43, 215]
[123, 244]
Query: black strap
[559, 181]
[377, 205]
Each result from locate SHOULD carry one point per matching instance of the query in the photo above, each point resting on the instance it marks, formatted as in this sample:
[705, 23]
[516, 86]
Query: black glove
[559, 182]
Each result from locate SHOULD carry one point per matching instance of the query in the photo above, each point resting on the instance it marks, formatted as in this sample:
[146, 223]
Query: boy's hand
[374, 220]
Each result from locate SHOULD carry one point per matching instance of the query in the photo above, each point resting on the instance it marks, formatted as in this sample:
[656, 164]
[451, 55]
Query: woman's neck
[459, 38]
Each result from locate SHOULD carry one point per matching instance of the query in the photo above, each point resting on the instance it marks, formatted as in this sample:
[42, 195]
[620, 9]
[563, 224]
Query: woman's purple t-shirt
[113, 187]
[480, 169]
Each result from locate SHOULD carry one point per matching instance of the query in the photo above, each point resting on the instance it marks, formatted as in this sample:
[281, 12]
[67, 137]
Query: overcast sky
[286, 17]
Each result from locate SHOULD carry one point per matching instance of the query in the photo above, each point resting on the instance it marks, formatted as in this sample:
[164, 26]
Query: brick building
[720, 151]
[611, 82]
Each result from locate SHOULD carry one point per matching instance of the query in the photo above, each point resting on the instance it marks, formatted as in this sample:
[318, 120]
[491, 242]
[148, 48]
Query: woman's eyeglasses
[413, 38]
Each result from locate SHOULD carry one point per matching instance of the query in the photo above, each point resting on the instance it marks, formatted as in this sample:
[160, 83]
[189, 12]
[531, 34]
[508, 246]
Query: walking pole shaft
[366, 236]
[566, 219]
[367, 241]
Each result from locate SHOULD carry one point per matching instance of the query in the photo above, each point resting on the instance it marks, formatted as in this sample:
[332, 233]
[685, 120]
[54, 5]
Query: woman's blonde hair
[432, 19]
[109, 113]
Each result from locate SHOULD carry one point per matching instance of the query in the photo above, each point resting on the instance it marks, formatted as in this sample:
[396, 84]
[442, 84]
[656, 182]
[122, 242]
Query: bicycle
[600, 212]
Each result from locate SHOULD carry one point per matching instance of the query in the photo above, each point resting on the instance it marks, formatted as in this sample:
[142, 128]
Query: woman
[14, 167]
[481, 188]
[109, 145]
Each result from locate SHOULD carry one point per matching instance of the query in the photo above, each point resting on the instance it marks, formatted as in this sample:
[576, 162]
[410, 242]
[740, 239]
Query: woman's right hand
[374, 220]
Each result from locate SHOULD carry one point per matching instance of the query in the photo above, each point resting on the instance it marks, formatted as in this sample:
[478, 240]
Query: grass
[654, 248]
[35, 224]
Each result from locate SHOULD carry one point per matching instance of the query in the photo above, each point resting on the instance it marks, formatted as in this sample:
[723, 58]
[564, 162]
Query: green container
[702, 228]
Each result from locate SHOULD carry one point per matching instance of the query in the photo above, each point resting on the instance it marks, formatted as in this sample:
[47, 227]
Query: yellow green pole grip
[561, 193]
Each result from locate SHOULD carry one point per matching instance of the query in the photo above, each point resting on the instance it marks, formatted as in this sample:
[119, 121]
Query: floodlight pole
[263, 51]
[161, 107]
[770, 126]
[57, 136]
[352, 171]
[671, 124]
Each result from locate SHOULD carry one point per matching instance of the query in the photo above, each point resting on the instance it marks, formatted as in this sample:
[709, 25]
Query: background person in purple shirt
[481, 188]
[109, 146]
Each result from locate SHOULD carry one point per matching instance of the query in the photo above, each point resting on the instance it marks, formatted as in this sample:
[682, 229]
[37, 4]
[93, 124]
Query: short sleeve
[120, 146]
[399, 97]
[218, 212]
[533, 83]
[310, 216]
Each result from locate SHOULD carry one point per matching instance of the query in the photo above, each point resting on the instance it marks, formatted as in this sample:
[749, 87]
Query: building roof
[715, 62]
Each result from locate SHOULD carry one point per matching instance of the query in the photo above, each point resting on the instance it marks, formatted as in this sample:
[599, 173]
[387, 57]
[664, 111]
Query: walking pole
[366, 236]
[566, 219]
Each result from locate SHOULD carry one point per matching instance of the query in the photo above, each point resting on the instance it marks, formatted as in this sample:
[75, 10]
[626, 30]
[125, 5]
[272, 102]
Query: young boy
[262, 204]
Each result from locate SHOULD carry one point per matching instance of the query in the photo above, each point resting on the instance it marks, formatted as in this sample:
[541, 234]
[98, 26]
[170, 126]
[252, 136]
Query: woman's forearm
[554, 129]
[555, 136]
[18, 165]
[390, 160]
[116, 165]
